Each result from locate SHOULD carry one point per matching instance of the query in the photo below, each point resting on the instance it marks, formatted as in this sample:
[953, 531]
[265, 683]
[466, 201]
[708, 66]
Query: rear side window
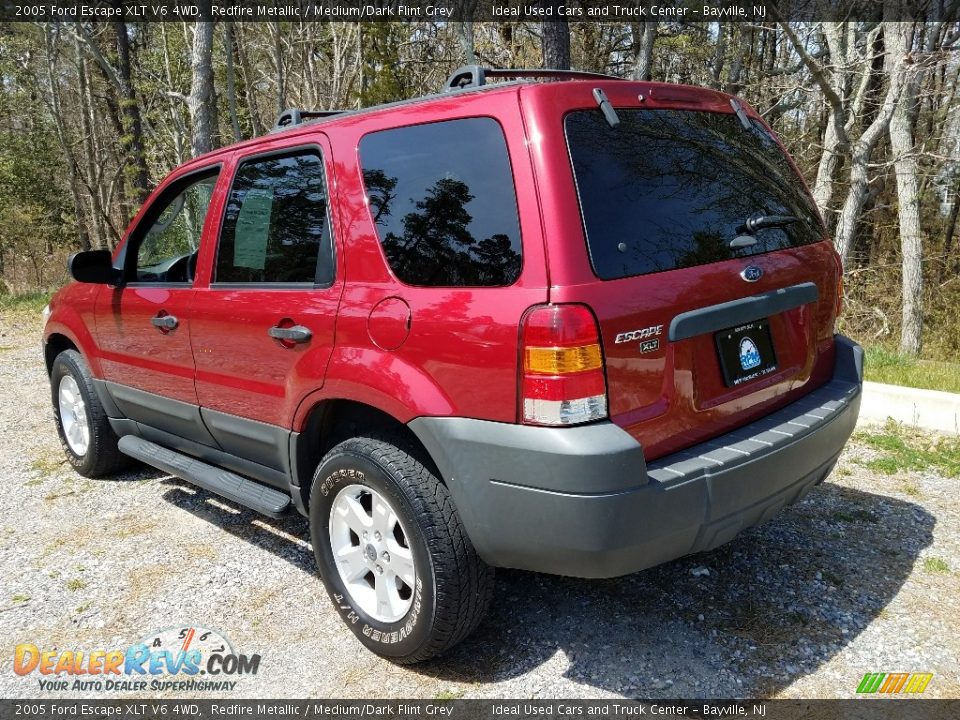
[443, 202]
[275, 227]
[669, 189]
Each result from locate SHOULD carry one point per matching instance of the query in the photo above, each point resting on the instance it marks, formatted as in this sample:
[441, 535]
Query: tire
[422, 610]
[85, 433]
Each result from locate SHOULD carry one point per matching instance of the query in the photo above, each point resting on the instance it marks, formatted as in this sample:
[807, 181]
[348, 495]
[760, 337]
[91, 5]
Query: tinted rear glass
[275, 226]
[668, 189]
[443, 202]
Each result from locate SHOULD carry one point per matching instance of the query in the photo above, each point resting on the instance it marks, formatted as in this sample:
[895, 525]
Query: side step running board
[217, 480]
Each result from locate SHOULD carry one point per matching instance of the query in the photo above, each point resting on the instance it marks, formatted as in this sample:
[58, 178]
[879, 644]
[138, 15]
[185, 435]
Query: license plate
[746, 352]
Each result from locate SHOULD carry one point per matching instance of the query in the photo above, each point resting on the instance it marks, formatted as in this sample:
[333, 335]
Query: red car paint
[454, 351]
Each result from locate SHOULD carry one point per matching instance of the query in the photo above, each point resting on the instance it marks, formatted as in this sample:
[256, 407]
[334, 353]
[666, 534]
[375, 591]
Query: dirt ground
[860, 577]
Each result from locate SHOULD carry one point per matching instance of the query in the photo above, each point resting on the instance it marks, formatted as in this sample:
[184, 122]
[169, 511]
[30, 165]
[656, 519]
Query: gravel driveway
[830, 589]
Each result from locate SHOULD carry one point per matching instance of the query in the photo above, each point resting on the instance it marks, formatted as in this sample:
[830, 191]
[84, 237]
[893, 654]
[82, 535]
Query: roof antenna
[606, 108]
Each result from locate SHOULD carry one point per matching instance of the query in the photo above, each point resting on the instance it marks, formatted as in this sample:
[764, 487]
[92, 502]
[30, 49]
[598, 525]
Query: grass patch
[20, 599]
[448, 695]
[80, 609]
[936, 566]
[884, 366]
[75, 584]
[911, 489]
[48, 465]
[26, 302]
[904, 450]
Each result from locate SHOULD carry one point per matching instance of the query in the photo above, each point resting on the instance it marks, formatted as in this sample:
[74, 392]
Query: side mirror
[93, 266]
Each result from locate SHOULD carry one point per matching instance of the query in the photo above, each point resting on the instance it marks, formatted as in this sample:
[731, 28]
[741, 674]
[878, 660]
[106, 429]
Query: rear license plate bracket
[746, 352]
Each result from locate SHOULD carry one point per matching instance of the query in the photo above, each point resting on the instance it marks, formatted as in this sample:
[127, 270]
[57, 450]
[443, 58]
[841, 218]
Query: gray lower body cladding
[583, 502]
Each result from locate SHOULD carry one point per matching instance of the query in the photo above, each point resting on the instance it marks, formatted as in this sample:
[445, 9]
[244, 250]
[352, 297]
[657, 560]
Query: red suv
[564, 323]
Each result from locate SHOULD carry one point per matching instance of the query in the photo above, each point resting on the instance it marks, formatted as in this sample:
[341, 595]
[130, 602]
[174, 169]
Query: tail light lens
[562, 366]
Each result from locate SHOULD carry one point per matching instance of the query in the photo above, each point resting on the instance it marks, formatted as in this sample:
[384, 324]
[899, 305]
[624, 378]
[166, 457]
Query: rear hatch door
[715, 290]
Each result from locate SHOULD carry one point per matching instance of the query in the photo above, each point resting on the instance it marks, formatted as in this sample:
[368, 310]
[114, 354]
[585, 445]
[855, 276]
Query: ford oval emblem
[751, 273]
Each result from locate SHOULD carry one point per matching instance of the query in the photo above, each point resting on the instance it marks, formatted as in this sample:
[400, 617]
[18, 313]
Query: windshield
[668, 189]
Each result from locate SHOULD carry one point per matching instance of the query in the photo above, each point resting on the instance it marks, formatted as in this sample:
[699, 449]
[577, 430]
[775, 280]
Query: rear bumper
[583, 502]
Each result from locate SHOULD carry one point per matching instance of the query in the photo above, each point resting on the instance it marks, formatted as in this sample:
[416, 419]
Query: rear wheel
[85, 433]
[392, 552]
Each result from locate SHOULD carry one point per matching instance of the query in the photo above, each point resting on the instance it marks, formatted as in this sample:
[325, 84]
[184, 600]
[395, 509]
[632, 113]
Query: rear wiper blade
[758, 222]
[745, 237]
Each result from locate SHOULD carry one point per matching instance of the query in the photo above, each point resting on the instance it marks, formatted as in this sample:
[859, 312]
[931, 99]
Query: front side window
[443, 202]
[275, 228]
[167, 252]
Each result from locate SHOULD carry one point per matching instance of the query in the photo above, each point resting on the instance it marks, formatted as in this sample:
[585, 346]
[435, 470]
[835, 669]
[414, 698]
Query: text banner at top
[755, 11]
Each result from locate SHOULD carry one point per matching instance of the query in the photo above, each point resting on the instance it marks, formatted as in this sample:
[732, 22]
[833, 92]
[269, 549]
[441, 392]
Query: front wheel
[392, 552]
[85, 433]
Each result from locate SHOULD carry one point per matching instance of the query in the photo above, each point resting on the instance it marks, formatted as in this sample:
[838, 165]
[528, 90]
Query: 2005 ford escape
[565, 323]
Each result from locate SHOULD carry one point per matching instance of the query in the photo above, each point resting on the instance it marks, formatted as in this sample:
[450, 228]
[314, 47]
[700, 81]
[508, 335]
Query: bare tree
[846, 95]
[132, 139]
[899, 38]
[644, 34]
[231, 82]
[202, 109]
[556, 38]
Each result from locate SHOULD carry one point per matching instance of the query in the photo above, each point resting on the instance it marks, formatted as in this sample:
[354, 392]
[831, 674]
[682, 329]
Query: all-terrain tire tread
[464, 583]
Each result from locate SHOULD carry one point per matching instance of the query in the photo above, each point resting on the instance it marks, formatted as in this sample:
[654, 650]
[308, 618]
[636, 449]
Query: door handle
[295, 334]
[165, 322]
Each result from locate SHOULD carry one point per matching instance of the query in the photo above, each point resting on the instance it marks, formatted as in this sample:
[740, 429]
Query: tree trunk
[94, 186]
[248, 89]
[827, 167]
[65, 145]
[465, 36]
[132, 139]
[862, 151]
[951, 229]
[202, 110]
[899, 41]
[179, 131]
[275, 31]
[556, 38]
[231, 82]
[643, 61]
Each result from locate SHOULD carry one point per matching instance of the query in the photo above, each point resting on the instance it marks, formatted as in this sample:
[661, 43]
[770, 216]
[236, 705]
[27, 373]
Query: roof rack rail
[476, 76]
[295, 116]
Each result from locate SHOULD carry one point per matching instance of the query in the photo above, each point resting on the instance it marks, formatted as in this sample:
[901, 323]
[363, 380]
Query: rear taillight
[562, 381]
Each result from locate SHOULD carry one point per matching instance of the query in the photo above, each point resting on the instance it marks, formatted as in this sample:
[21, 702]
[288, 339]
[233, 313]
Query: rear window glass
[275, 227]
[669, 189]
[443, 202]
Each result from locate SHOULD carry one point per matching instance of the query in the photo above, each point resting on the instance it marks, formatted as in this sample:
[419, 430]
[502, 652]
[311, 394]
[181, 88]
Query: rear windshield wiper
[758, 222]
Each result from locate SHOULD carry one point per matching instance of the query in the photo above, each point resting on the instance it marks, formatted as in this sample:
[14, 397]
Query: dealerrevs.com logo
[179, 659]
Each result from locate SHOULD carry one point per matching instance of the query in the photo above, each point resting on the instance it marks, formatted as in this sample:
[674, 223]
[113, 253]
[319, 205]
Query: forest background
[93, 115]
